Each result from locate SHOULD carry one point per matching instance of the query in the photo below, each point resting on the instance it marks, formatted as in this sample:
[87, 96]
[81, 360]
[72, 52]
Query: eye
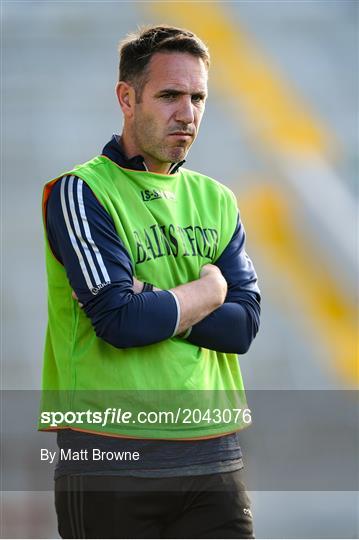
[170, 96]
[197, 98]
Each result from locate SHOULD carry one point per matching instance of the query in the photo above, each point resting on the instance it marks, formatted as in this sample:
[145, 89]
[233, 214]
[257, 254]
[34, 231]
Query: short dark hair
[137, 49]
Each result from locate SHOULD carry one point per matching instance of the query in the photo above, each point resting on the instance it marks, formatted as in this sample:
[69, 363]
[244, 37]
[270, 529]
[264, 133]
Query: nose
[185, 111]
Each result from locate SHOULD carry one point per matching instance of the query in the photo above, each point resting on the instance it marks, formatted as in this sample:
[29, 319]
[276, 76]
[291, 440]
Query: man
[150, 289]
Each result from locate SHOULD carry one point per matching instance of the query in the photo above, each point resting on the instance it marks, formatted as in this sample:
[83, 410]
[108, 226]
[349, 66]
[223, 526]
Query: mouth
[181, 135]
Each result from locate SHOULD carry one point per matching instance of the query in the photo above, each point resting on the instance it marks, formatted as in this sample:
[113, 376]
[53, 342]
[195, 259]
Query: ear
[126, 98]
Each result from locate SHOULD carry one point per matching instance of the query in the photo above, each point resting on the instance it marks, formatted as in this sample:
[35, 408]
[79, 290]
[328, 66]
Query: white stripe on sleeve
[88, 232]
[79, 233]
[72, 236]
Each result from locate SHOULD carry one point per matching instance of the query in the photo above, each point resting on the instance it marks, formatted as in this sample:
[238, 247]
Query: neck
[131, 150]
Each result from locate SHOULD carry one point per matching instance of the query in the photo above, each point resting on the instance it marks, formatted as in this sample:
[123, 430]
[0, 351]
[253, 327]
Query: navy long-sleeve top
[119, 316]
[125, 319]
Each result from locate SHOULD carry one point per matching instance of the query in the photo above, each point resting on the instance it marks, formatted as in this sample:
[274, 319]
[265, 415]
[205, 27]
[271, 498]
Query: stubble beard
[157, 147]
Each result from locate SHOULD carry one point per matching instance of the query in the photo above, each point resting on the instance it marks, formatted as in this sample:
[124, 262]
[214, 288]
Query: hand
[209, 269]
[219, 284]
[137, 285]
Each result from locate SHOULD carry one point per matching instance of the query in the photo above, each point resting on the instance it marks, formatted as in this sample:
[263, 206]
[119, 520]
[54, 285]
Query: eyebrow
[180, 92]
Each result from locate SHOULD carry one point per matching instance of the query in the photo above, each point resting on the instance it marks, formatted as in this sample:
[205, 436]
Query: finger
[75, 297]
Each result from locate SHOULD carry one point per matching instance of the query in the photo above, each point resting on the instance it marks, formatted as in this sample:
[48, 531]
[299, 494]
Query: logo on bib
[153, 194]
[172, 240]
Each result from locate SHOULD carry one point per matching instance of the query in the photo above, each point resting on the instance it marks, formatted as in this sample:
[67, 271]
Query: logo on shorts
[247, 512]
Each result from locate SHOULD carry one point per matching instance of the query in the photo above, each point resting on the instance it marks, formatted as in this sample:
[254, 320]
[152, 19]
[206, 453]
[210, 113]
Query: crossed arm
[221, 306]
[196, 299]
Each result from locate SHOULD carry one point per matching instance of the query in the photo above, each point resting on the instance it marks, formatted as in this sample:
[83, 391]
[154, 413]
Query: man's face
[167, 119]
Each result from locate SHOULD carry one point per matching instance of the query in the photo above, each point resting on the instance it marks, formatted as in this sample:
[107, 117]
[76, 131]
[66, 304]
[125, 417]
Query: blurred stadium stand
[281, 129]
